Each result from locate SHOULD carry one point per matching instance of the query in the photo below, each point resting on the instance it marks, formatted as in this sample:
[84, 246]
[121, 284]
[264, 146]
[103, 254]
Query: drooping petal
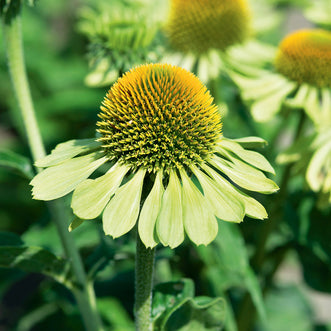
[57, 181]
[91, 196]
[169, 224]
[249, 180]
[265, 108]
[122, 211]
[252, 207]
[68, 150]
[251, 157]
[251, 142]
[299, 98]
[225, 205]
[150, 212]
[325, 107]
[199, 221]
[312, 105]
[317, 162]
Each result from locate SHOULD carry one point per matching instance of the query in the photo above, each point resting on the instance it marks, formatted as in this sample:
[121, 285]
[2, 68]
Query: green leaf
[119, 321]
[198, 314]
[199, 221]
[175, 308]
[10, 239]
[35, 259]
[16, 162]
[165, 295]
[169, 224]
[59, 180]
[228, 265]
[122, 212]
[287, 309]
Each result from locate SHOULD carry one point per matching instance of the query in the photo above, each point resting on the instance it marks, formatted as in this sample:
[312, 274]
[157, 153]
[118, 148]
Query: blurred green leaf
[120, 319]
[10, 239]
[228, 265]
[175, 308]
[287, 309]
[167, 294]
[37, 260]
[198, 314]
[17, 163]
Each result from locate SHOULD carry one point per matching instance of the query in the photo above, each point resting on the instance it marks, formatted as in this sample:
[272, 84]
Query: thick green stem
[143, 286]
[84, 292]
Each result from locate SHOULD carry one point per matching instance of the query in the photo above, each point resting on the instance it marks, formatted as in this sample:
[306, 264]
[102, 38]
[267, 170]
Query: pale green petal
[251, 157]
[75, 224]
[299, 98]
[150, 212]
[264, 87]
[169, 224]
[91, 196]
[57, 181]
[68, 150]
[121, 213]
[326, 107]
[314, 175]
[251, 142]
[223, 202]
[235, 163]
[252, 207]
[199, 221]
[312, 105]
[248, 180]
[264, 109]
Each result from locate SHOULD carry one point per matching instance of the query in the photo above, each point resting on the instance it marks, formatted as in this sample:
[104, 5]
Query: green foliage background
[30, 299]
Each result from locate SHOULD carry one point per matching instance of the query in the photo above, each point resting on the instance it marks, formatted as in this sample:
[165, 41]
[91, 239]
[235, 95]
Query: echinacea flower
[312, 155]
[169, 168]
[121, 35]
[202, 32]
[300, 78]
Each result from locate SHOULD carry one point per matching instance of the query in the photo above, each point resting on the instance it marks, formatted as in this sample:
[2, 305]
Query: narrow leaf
[17, 163]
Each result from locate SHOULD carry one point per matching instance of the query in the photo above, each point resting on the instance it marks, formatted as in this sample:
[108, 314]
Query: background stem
[143, 286]
[84, 293]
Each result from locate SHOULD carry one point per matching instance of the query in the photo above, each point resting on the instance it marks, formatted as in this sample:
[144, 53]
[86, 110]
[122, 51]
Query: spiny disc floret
[305, 56]
[200, 25]
[159, 116]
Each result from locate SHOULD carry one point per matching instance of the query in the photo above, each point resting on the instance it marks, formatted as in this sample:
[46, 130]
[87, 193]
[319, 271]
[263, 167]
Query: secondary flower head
[301, 78]
[311, 155]
[200, 25]
[170, 168]
[305, 56]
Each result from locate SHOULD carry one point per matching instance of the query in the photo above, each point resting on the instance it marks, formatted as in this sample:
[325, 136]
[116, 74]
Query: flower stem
[143, 286]
[84, 293]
